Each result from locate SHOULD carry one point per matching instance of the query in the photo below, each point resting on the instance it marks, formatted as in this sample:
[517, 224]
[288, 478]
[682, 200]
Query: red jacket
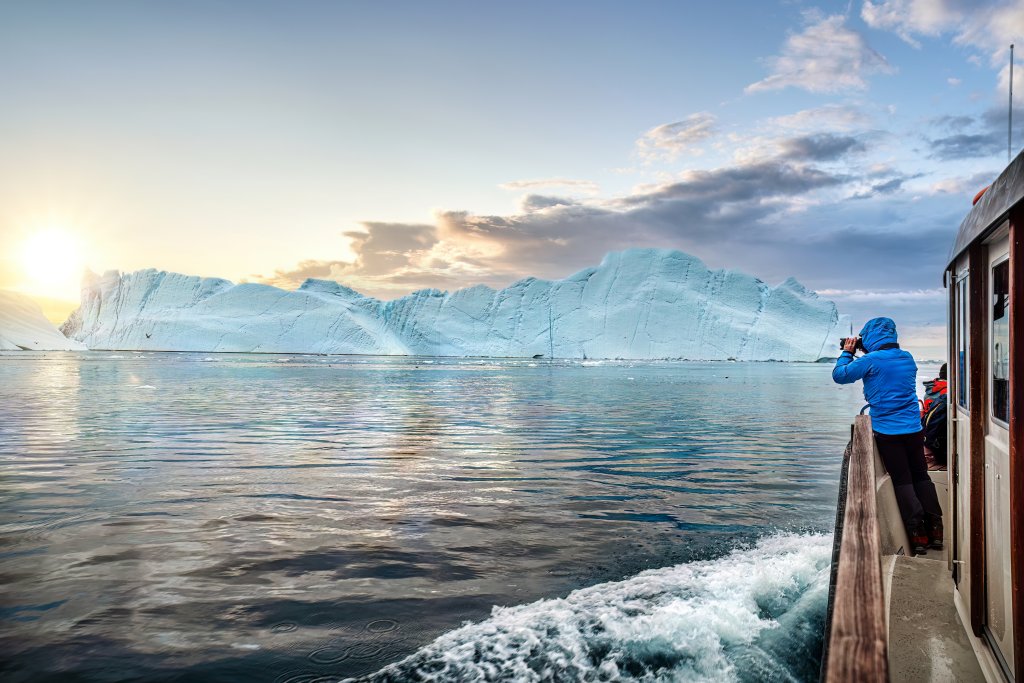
[933, 390]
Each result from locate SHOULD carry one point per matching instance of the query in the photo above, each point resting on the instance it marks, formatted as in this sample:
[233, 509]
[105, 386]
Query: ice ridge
[637, 304]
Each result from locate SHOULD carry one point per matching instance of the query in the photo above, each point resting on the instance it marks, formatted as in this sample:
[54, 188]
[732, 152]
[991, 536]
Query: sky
[394, 146]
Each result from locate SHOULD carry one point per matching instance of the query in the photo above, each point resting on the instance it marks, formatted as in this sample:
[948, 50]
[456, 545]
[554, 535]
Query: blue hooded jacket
[889, 379]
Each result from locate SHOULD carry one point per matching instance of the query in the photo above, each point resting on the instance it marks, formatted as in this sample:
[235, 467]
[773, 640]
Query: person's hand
[851, 345]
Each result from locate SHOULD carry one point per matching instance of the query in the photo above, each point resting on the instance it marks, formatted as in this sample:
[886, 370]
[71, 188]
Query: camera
[859, 347]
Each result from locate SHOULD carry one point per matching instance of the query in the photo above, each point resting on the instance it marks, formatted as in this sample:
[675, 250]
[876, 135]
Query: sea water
[223, 517]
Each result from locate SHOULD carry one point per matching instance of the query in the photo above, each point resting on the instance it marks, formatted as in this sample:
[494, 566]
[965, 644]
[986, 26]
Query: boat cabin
[985, 281]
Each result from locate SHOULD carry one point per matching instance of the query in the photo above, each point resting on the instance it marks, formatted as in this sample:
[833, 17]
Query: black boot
[935, 534]
[919, 540]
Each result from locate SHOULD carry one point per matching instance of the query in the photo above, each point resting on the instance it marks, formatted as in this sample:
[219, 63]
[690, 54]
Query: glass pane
[1001, 341]
[961, 342]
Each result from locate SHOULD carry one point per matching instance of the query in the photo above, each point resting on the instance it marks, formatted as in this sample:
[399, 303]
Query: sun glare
[52, 261]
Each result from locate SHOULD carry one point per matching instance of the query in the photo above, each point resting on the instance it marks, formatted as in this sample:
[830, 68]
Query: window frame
[961, 295]
[991, 390]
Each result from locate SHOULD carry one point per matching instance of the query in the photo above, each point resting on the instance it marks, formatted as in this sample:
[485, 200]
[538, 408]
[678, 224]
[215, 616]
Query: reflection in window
[961, 342]
[1001, 341]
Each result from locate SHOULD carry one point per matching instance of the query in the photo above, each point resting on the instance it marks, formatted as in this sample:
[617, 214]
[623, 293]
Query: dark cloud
[743, 211]
[537, 202]
[383, 247]
[741, 183]
[967, 146]
[381, 250]
[969, 137]
[821, 147]
[704, 209]
[889, 186]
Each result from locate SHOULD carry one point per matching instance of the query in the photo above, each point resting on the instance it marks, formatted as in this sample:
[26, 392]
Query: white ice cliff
[640, 303]
[24, 327]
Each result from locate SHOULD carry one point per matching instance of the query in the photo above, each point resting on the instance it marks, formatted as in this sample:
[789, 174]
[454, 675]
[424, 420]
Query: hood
[878, 331]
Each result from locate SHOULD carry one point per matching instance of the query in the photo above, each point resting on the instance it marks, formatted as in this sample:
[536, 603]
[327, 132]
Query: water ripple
[315, 519]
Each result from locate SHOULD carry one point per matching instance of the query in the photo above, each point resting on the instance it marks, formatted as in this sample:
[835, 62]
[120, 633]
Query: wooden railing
[856, 649]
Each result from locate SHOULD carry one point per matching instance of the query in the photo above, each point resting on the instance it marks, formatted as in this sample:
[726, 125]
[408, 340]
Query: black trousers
[903, 456]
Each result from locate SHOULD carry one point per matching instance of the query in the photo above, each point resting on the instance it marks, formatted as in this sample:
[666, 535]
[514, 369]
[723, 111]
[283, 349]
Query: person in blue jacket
[889, 375]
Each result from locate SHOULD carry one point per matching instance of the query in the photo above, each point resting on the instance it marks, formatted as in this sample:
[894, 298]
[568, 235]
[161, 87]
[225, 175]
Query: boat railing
[856, 637]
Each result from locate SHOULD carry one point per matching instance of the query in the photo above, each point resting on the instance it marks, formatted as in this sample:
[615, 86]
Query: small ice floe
[284, 360]
[208, 359]
[245, 646]
[531, 365]
[145, 386]
[116, 357]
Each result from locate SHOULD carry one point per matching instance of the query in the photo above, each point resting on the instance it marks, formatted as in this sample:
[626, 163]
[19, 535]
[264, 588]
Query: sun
[52, 261]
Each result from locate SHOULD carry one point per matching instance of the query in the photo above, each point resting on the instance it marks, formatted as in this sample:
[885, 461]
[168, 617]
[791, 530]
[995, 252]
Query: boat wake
[756, 614]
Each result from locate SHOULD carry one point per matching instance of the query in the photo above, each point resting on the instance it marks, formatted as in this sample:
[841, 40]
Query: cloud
[831, 117]
[669, 140]
[584, 186]
[537, 202]
[886, 295]
[966, 186]
[966, 137]
[383, 247]
[826, 57]
[908, 18]
[988, 26]
[552, 236]
[966, 146]
[382, 250]
[890, 185]
[821, 147]
[755, 182]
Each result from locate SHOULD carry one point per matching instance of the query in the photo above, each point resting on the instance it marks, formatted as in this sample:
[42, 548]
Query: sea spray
[756, 614]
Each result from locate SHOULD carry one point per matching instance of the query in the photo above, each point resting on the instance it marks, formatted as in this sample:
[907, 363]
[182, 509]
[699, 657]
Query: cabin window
[962, 322]
[1001, 341]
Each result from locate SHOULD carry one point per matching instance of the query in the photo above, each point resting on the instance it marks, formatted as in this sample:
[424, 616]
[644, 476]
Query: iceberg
[23, 327]
[637, 304]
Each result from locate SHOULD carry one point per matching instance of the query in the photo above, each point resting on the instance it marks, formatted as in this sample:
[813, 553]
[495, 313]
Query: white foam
[751, 615]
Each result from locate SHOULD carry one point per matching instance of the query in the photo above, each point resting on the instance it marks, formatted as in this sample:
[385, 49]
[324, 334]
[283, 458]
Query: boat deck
[927, 642]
